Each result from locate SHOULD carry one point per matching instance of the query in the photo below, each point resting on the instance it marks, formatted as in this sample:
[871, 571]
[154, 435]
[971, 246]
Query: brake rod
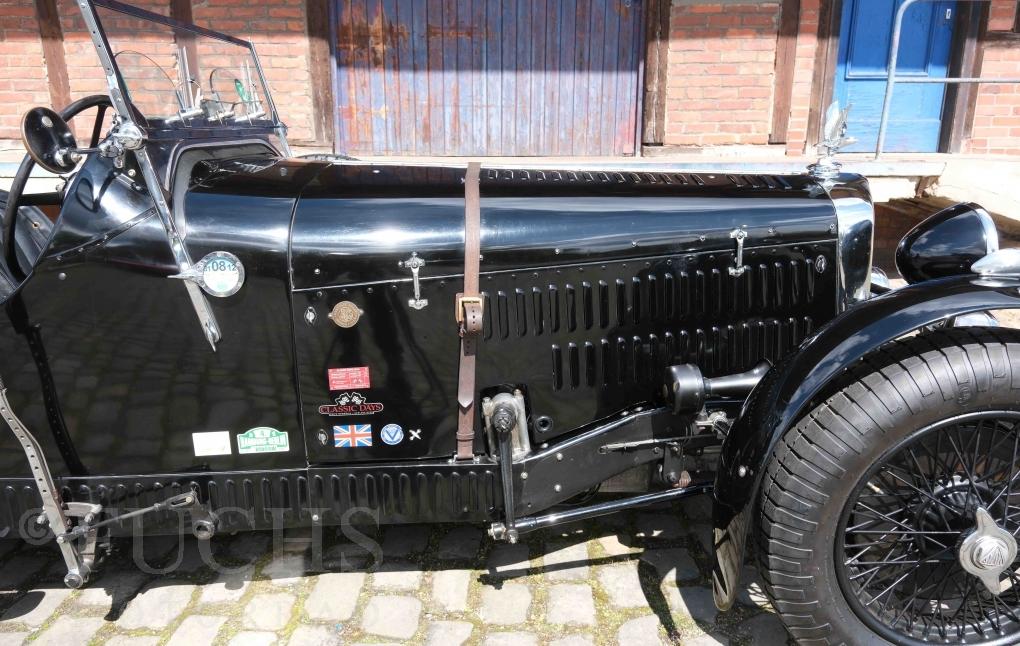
[173, 503]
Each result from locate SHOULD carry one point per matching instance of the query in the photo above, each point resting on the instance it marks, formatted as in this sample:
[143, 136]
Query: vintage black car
[204, 331]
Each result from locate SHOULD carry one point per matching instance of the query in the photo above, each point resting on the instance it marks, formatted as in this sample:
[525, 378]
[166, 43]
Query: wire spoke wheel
[903, 556]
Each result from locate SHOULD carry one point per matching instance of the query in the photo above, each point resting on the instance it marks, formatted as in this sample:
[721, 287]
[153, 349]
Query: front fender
[789, 390]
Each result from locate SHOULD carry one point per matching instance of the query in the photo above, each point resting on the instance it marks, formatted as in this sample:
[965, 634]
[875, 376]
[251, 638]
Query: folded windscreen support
[79, 553]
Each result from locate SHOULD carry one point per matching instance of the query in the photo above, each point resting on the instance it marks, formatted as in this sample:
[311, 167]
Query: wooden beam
[656, 68]
[824, 79]
[320, 61]
[52, 37]
[961, 99]
[181, 10]
[786, 59]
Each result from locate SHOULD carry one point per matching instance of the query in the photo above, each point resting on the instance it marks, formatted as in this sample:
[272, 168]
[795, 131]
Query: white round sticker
[222, 274]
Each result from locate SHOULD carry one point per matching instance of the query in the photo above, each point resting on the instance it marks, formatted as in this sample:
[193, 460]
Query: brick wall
[1002, 15]
[721, 80]
[997, 113]
[996, 127]
[151, 92]
[721, 73]
[277, 28]
[22, 67]
[720, 84]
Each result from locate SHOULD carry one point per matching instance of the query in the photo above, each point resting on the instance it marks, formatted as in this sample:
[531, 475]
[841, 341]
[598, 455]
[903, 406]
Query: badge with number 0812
[219, 274]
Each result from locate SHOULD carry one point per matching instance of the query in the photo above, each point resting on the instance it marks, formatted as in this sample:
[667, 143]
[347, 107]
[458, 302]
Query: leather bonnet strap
[469, 315]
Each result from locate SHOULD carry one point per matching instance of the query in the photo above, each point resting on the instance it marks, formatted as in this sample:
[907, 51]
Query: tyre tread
[906, 376]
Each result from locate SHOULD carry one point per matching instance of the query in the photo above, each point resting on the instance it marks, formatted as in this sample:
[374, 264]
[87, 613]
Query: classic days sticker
[263, 440]
[350, 404]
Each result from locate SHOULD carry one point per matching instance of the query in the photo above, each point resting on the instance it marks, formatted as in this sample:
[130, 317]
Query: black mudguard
[791, 389]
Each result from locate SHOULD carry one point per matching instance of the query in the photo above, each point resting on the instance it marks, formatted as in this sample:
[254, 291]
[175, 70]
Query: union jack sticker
[352, 435]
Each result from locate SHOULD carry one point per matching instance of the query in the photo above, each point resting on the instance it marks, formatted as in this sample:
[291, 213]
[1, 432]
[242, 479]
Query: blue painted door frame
[915, 120]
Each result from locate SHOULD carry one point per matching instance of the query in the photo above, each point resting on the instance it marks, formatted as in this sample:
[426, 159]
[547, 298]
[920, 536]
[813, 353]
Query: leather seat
[31, 236]
[33, 232]
[6, 284]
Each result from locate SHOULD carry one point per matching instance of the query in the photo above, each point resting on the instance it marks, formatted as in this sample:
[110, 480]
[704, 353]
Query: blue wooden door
[487, 77]
[915, 120]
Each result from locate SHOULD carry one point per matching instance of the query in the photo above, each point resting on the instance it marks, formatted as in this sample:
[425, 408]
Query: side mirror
[947, 243]
[49, 141]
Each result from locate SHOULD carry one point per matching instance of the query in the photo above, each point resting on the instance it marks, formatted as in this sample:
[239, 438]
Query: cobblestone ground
[640, 578]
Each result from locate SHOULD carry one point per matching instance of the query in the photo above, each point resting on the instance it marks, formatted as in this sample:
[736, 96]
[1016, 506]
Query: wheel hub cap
[988, 551]
[927, 537]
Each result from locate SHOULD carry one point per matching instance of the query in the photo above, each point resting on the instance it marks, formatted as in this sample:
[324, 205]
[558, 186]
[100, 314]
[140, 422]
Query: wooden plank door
[485, 77]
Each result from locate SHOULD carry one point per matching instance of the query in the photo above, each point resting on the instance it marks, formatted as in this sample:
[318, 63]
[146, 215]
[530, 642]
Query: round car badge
[220, 274]
[345, 314]
[392, 434]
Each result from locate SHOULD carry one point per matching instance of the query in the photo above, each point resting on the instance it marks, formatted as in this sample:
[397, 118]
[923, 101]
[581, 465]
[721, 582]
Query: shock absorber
[504, 420]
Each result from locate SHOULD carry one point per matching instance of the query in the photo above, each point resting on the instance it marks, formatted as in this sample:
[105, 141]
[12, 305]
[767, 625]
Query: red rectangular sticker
[348, 378]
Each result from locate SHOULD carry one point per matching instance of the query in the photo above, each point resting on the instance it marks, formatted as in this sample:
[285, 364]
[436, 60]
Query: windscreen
[176, 77]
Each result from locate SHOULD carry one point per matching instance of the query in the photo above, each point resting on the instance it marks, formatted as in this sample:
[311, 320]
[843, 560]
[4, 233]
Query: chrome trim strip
[991, 233]
[855, 232]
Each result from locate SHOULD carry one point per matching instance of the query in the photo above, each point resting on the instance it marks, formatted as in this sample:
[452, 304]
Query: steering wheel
[9, 219]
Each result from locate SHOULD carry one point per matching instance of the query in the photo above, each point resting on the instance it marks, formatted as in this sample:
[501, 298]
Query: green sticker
[263, 440]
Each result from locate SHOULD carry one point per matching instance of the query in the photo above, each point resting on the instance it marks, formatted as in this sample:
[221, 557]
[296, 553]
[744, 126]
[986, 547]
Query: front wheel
[889, 513]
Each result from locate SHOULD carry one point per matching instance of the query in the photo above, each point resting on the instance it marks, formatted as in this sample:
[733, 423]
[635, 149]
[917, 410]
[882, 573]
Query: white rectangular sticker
[213, 443]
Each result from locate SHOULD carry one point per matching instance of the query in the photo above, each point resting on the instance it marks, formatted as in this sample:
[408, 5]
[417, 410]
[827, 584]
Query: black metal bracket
[532, 523]
[560, 471]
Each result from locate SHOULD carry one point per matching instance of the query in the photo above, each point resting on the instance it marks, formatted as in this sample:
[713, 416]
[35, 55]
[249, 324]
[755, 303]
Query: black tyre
[869, 529]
